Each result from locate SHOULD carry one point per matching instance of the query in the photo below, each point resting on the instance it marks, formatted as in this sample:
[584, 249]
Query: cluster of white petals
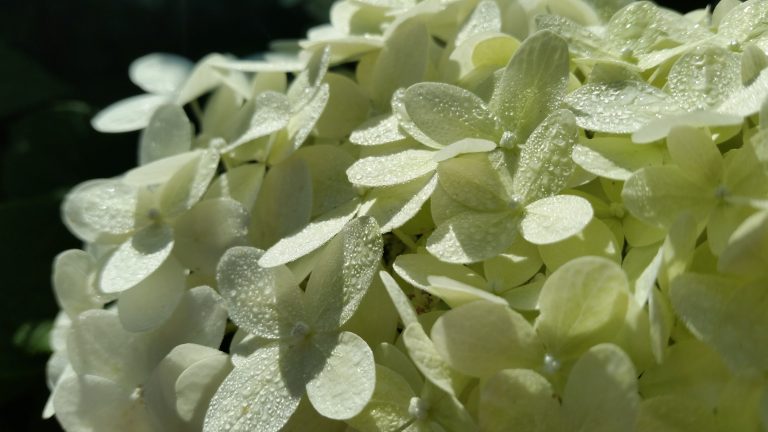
[433, 215]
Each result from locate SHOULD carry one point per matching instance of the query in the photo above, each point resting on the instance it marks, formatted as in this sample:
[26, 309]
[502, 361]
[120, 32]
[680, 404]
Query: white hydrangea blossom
[435, 215]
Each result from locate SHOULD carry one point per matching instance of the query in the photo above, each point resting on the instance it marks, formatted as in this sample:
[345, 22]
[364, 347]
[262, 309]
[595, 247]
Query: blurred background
[60, 63]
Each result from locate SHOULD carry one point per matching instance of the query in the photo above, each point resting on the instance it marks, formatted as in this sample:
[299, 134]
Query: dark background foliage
[60, 62]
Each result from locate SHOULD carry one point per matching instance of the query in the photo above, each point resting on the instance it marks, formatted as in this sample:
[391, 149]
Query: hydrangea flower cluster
[438, 215]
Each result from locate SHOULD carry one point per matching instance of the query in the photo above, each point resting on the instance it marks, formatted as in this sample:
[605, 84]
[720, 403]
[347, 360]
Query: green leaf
[438, 114]
[481, 338]
[532, 85]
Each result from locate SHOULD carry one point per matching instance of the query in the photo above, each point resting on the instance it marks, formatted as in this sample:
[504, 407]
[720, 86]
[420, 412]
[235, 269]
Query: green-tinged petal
[416, 269]
[438, 114]
[545, 162]
[661, 320]
[691, 370]
[403, 60]
[396, 360]
[472, 182]
[388, 408]
[347, 107]
[306, 83]
[513, 267]
[601, 392]
[137, 258]
[168, 133]
[128, 114]
[393, 206]
[481, 338]
[254, 397]
[518, 399]
[657, 195]
[532, 85]
[327, 166]
[188, 184]
[723, 221]
[747, 250]
[596, 239]
[73, 272]
[747, 100]
[473, 236]
[430, 363]
[455, 293]
[302, 122]
[555, 218]
[659, 128]
[315, 234]
[392, 169]
[464, 146]
[753, 61]
[207, 230]
[242, 184]
[160, 73]
[728, 315]
[271, 112]
[582, 303]
[704, 77]
[741, 22]
[619, 106]
[92, 403]
[674, 414]
[284, 203]
[376, 318]
[446, 412]
[255, 297]
[152, 301]
[486, 17]
[615, 158]
[399, 299]
[377, 131]
[345, 375]
[100, 208]
[178, 391]
[204, 78]
[342, 274]
[696, 154]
